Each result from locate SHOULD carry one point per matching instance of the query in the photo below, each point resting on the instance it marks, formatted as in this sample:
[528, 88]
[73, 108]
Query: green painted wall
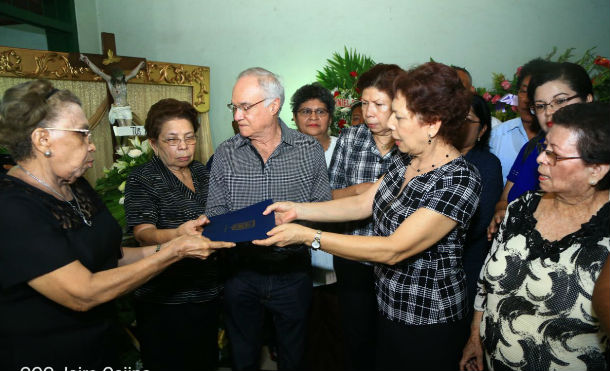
[294, 38]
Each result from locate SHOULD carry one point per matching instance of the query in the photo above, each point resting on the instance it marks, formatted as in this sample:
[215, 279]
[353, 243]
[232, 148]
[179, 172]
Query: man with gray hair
[266, 160]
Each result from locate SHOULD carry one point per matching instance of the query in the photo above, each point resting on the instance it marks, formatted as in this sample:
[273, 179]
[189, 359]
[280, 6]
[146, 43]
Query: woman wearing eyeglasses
[363, 155]
[177, 311]
[533, 308]
[59, 244]
[560, 85]
[312, 109]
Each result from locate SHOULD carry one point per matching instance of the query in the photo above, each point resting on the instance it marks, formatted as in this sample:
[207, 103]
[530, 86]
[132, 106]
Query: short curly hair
[26, 107]
[380, 76]
[165, 110]
[435, 92]
[312, 91]
[591, 122]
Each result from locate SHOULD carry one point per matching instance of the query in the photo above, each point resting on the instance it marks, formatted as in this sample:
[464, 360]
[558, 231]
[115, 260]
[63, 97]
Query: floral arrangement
[340, 76]
[502, 96]
[111, 187]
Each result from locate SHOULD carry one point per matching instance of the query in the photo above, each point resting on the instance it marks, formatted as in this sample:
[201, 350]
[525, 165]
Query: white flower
[122, 150]
[145, 146]
[345, 109]
[135, 142]
[134, 153]
[120, 165]
[122, 200]
[122, 187]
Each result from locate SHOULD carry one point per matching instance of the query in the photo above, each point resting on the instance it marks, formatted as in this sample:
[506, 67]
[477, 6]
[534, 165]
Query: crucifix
[112, 72]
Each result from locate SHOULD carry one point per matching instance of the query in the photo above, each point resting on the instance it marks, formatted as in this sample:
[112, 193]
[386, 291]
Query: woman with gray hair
[61, 260]
[533, 306]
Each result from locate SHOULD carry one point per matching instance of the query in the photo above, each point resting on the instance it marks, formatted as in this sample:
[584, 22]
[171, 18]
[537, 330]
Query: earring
[429, 138]
[47, 153]
[592, 182]
[478, 139]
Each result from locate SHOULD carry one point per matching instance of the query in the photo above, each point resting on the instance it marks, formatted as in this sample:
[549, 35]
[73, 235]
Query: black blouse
[154, 195]
[38, 235]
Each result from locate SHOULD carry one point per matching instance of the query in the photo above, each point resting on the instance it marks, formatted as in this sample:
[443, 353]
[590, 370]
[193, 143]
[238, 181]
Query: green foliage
[340, 76]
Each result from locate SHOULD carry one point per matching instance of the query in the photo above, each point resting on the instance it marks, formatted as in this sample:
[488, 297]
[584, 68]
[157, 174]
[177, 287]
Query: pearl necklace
[432, 166]
[76, 208]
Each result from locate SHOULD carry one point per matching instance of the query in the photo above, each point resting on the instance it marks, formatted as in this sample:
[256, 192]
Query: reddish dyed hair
[434, 92]
[166, 110]
[380, 76]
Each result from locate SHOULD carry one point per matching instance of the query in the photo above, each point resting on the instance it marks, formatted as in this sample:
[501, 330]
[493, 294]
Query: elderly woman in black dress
[177, 311]
[421, 209]
[59, 244]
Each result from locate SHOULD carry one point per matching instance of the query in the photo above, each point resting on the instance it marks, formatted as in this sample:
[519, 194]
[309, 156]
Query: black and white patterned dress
[536, 295]
[430, 287]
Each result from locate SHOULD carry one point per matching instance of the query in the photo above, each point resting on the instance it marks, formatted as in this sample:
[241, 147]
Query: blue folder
[241, 225]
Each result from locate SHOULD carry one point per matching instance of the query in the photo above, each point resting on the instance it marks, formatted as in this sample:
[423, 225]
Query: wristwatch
[315, 244]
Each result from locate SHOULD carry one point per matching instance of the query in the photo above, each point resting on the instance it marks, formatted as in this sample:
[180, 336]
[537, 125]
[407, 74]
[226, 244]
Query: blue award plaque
[241, 225]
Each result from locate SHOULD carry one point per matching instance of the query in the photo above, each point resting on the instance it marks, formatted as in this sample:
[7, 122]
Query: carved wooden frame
[29, 63]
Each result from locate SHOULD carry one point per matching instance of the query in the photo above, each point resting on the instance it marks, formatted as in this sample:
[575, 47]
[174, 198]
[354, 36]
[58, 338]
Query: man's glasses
[86, 133]
[173, 142]
[243, 107]
[307, 112]
[552, 156]
[554, 104]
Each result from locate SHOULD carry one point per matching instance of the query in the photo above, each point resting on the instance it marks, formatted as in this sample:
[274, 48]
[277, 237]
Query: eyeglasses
[552, 156]
[554, 104]
[308, 112]
[86, 133]
[173, 142]
[243, 107]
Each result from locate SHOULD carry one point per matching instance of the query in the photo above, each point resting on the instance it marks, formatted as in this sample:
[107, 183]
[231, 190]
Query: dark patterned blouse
[429, 287]
[536, 295]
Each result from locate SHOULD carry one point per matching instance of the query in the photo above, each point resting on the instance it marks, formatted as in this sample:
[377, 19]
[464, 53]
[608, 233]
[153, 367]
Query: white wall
[294, 38]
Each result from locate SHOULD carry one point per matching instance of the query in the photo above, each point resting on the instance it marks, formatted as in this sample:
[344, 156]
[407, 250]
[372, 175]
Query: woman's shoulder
[355, 134]
[199, 170]
[484, 160]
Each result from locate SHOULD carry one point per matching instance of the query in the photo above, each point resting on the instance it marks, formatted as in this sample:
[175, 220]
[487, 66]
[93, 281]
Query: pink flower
[487, 96]
[495, 98]
[505, 84]
[519, 70]
[353, 74]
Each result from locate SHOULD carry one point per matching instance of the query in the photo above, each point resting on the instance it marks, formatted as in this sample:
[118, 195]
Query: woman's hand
[492, 229]
[287, 234]
[472, 355]
[196, 246]
[285, 212]
[192, 227]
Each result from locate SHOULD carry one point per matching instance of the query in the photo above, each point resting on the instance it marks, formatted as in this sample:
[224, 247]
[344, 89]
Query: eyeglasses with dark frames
[308, 112]
[173, 142]
[552, 156]
[243, 107]
[554, 104]
[86, 133]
